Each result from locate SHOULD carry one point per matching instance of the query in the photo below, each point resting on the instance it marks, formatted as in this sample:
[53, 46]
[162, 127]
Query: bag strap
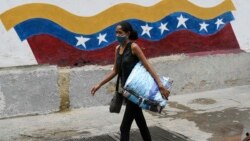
[120, 65]
[117, 82]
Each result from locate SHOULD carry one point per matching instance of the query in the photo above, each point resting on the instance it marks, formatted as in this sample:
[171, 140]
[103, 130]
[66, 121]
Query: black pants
[132, 112]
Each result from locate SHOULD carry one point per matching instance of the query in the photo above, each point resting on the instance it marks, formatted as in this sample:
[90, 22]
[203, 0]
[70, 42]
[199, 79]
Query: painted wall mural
[57, 36]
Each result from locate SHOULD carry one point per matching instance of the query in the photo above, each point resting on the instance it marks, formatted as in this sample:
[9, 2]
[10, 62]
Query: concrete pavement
[217, 115]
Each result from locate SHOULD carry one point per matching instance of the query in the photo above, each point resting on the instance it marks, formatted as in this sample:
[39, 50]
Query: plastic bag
[142, 89]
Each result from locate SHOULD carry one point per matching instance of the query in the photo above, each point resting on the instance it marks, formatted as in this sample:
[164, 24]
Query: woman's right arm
[108, 77]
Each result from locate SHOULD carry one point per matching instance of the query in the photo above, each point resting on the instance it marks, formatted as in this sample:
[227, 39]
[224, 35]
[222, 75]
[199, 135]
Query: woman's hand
[95, 88]
[164, 92]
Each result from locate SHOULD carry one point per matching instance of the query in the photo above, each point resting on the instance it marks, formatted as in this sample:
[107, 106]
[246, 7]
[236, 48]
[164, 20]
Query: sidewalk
[218, 115]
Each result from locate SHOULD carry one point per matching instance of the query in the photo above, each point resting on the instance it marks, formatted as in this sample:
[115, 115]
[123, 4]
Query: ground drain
[157, 133]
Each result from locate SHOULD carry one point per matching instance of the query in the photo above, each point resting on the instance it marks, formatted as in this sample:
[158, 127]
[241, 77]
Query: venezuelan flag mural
[56, 36]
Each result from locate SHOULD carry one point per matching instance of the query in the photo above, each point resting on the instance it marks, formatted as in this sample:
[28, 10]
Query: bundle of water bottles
[141, 89]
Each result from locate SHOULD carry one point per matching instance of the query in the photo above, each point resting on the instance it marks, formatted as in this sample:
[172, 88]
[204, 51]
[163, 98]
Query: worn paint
[63, 84]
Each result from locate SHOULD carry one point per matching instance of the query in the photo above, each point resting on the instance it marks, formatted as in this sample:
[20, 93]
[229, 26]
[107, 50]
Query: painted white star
[146, 30]
[219, 22]
[81, 41]
[181, 21]
[204, 26]
[101, 38]
[163, 27]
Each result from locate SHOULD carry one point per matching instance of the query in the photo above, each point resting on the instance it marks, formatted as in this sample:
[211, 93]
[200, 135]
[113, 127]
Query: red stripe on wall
[50, 50]
[188, 42]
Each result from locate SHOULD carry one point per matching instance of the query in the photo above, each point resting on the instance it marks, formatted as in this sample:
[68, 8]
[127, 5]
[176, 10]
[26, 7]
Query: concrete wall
[81, 82]
[190, 74]
[206, 73]
[28, 91]
[46, 89]
[46, 47]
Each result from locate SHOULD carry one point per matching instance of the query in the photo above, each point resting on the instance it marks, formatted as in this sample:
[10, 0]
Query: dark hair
[127, 27]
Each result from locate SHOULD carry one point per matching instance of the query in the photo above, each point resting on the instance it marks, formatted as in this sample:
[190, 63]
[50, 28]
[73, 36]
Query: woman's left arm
[136, 50]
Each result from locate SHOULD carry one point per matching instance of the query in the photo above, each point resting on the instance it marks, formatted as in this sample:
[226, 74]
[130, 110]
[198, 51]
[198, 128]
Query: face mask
[121, 39]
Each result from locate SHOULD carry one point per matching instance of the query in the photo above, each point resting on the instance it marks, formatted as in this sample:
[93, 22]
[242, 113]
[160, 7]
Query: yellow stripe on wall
[117, 13]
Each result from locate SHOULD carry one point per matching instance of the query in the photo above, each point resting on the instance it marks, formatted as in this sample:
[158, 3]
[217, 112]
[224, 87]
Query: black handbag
[117, 100]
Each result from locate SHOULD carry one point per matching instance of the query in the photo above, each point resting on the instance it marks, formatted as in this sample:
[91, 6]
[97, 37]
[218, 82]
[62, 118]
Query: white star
[219, 22]
[146, 30]
[101, 38]
[81, 41]
[181, 21]
[163, 27]
[204, 26]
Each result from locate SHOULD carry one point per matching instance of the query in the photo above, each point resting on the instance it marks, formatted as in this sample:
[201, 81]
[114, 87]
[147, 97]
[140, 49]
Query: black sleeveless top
[128, 62]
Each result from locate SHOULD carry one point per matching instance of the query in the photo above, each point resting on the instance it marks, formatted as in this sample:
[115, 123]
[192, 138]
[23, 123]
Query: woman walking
[129, 54]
